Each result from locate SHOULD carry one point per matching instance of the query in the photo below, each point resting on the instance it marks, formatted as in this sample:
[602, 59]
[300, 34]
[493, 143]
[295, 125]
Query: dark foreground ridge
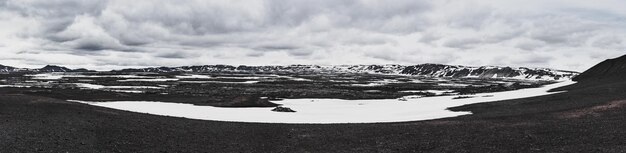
[611, 69]
[588, 118]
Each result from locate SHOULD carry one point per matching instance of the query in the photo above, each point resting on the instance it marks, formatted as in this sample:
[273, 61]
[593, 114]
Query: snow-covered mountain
[439, 70]
[429, 70]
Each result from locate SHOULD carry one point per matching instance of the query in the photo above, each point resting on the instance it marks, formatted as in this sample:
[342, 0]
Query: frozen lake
[328, 111]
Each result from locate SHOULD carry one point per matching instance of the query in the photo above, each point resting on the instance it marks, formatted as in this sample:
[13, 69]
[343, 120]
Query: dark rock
[283, 109]
[463, 97]
[248, 101]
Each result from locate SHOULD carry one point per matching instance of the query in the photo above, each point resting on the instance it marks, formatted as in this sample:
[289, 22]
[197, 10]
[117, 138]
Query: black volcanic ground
[588, 118]
[583, 120]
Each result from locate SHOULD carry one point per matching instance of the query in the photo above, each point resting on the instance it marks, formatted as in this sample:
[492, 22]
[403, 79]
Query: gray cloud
[536, 59]
[428, 38]
[55, 14]
[176, 55]
[462, 43]
[276, 47]
[610, 42]
[530, 45]
[312, 31]
[301, 52]
[255, 54]
[563, 30]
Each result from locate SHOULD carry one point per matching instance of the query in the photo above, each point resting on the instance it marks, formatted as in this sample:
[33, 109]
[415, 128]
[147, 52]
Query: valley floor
[588, 118]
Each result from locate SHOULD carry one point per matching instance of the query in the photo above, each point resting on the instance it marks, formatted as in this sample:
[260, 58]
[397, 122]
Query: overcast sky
[107, 34]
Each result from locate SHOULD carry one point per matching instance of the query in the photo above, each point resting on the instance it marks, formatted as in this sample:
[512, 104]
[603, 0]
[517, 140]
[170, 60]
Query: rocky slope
[606, 70]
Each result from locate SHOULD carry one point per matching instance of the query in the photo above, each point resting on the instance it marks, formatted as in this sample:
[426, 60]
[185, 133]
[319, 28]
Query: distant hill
[54, 68]
[609, 69]
[47, 68]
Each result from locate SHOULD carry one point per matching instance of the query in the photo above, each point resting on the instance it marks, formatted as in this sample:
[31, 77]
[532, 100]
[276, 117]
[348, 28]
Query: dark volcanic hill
[54, 68]
[607, 70]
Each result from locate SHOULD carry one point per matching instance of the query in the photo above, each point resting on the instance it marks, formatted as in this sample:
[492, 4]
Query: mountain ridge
[428, 69]
[431, 70]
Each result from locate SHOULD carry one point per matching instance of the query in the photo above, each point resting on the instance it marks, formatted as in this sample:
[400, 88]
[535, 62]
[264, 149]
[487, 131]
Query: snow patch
[46, 76]
[14, 86]
[328, 111]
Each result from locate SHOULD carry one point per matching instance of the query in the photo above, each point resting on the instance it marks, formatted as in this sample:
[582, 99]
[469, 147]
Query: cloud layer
[104, 34]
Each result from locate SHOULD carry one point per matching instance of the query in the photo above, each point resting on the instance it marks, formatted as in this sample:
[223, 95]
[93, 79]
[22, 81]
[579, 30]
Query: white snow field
[329, 111]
